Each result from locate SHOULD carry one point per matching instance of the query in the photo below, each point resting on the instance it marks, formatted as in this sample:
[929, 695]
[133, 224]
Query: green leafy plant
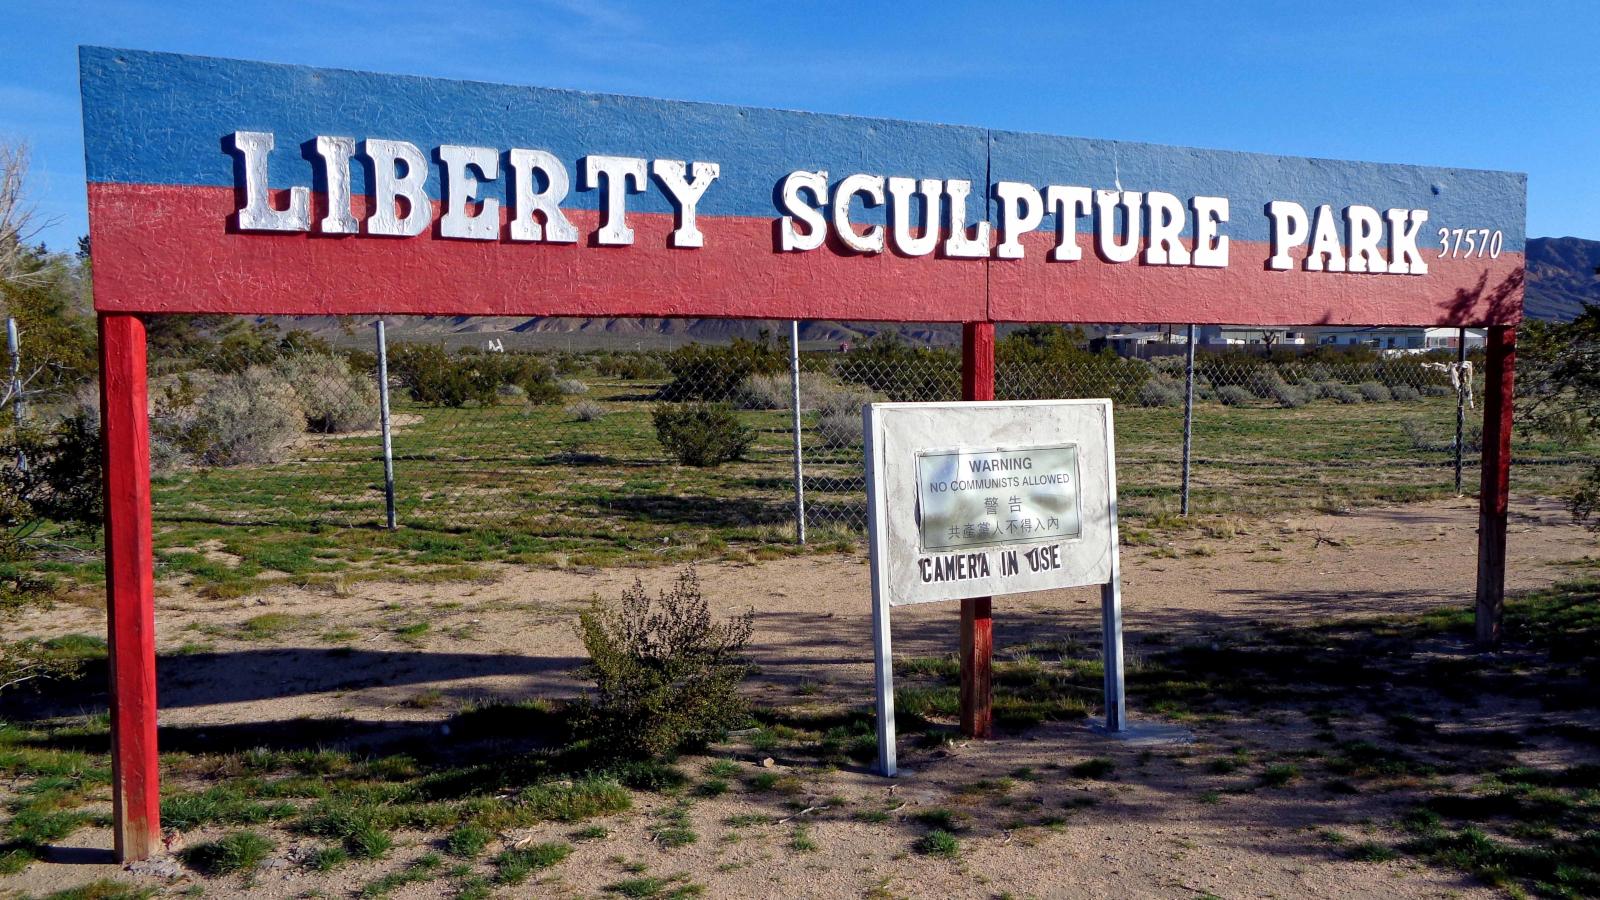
[57, 494]
[700, 372]
[471, 377]
[702, 434]
[666, 673]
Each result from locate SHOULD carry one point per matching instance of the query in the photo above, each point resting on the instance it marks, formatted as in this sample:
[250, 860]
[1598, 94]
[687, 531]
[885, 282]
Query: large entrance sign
[1025, 499]
[226, 186]
[230, 187]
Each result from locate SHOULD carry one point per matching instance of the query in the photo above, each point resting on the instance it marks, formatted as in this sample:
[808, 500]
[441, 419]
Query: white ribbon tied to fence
[1460, 378]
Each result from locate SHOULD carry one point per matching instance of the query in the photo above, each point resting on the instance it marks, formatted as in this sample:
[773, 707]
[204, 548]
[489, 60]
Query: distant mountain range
[1561, 277]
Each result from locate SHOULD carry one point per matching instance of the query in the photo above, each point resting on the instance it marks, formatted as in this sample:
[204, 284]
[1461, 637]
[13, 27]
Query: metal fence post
[1188, 418]
[14, 347]
[383, 417]
[799, 463]
[1461, 403]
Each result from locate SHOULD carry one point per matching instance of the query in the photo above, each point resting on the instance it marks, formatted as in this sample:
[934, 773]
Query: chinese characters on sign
[968, 498]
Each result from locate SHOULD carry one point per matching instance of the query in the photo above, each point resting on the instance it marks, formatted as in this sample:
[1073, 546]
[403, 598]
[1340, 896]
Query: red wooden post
[130, 588]
[977, 626]
[1495, 490]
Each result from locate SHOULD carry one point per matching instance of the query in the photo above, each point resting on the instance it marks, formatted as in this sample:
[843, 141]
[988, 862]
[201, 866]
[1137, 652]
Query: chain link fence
[593, 449]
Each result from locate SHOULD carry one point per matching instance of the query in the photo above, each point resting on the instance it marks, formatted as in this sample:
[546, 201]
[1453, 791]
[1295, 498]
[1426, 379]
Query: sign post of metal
[14, 348]
[1188, 418]
[384, 423]
[984, 499]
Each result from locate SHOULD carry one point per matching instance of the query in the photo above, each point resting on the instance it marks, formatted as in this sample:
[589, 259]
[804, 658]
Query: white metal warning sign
[984, 499]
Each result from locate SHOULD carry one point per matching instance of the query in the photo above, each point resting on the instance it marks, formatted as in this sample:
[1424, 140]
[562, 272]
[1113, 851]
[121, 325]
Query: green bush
[702, 434]
[666, 673]
[1373, 392]
[470, 377]
[634, 366]
[894, 369]
[700, 372]
[1048, 361]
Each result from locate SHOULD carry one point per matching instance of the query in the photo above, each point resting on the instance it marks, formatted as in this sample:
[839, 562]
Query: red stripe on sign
[184, 259]
[1454, 292]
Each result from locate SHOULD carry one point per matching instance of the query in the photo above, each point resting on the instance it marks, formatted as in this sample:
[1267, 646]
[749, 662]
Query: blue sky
[1500, 85]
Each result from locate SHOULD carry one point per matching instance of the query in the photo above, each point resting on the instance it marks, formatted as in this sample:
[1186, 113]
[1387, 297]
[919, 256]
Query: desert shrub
[571, 387]
[1234, 395]
[764, 392]
[586, 411]
[839, 416]
[1438, 390]
[1049, 361]
[63, 479]
[666, 674]
[700, 372]
[433, 376]
[334, 399]
[242, 343]
[60, 488]
[702, 434]
[1405, 392]
[1265, 384]
[511, 393]
[777, 391]
[1419, 433]
[1344, 393]
[1373, 392]
[1316, 372]
[888, 366]
[1161, 391]
[630, 366]
[1290, 396]
[248, 418]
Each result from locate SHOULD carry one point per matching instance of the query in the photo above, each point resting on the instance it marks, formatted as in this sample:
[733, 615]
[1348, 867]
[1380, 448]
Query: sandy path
[513, 637]
[1146, 836]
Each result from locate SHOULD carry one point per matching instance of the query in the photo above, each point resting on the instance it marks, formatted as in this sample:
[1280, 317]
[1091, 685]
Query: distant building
[1244, 335]
[1407, 340]
[1130, 343]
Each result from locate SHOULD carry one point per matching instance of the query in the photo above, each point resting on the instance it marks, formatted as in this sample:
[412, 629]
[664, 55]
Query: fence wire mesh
[511, 446]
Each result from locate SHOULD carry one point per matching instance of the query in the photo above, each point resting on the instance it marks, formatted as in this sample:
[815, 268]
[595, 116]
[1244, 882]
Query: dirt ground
[361, 656]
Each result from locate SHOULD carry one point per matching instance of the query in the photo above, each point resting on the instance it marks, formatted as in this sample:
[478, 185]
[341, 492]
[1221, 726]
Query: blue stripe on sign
[1457, 198]
[158, 118]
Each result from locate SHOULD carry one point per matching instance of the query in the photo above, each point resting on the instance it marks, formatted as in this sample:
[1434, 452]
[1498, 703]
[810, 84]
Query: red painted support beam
[1495, 491]
[977, 625]
[130, 588]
